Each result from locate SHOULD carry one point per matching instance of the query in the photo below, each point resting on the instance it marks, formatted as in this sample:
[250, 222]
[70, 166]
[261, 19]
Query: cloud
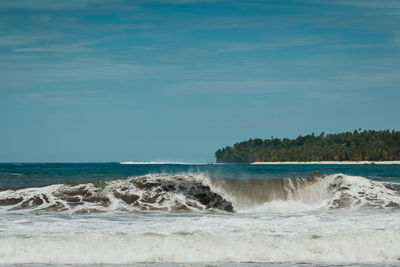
[224, 87]
[183, 2]
[59, 48]
[179, 48]
[63, 96]
[345, 46]
[358, 3]
[382, 78]
[396, 38]
[278, 42]
[54, 5]
[24, 38]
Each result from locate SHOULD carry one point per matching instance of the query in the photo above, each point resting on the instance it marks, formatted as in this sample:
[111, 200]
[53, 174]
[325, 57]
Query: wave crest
[168, 193]
[194, 192]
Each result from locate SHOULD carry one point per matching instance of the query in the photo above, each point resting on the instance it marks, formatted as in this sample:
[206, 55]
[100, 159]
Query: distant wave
[164, 162]
[193, 192]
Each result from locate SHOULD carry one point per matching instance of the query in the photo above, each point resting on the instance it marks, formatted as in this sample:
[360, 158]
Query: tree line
[347, 146]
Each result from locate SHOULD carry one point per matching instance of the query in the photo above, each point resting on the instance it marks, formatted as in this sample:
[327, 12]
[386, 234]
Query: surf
[201, 192]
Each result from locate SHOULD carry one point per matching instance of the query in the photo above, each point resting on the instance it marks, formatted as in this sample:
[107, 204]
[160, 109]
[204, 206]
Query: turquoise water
[112, 214]
[39, 174]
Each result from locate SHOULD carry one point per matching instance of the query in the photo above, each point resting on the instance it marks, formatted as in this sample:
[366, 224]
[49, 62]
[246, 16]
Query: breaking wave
[194, 192]
[162, 163]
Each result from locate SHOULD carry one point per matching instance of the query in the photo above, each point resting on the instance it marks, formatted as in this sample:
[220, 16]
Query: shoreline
[325, 162]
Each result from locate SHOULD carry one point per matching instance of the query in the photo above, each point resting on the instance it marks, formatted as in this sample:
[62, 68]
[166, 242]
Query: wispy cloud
[57, 5]
[244, 87]
[60, 48]
[279, 42]
[346, 46]
[25, 38]
[362, 3]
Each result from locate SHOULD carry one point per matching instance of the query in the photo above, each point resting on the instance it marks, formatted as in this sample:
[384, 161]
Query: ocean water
[139, 214]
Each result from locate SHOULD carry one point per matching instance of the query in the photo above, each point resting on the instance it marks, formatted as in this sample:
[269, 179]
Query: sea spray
[197, 192]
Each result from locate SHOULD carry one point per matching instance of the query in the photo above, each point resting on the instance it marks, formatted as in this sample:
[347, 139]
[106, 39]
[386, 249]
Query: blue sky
[95, 80]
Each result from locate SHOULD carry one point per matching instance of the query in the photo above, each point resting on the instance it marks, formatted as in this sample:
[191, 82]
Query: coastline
[325, 162]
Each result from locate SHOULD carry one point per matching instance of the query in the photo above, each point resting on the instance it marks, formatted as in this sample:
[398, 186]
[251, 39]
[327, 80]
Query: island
[357, 147]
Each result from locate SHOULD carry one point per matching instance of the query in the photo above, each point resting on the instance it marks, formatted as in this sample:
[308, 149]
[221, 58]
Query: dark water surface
[39, 174]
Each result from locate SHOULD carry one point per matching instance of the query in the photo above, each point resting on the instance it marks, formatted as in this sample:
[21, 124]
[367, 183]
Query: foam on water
[329, 238]
[163, 163]
[99, 248]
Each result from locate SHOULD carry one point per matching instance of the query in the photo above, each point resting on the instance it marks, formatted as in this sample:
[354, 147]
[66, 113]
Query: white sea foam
[307, 194]
[284, 207]
[311, 237]
[153, 193]
[163, 163]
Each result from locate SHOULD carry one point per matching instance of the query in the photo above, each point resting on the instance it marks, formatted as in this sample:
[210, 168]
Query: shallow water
[179, 215]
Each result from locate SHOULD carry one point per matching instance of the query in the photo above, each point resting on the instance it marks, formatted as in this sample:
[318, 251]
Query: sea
[199, 214]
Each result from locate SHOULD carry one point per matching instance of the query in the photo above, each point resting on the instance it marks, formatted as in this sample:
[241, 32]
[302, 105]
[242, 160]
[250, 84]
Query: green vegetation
[351, 146]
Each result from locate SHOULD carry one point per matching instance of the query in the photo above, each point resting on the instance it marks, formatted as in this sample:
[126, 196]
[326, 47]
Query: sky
[101, 81]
